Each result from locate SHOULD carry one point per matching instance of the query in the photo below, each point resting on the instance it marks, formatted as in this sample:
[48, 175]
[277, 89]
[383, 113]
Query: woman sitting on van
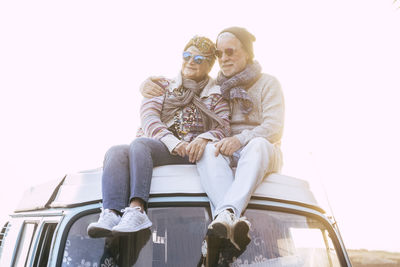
[175, 130]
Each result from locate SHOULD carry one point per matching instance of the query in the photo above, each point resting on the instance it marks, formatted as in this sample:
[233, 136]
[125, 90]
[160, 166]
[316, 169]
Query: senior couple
[235, 120]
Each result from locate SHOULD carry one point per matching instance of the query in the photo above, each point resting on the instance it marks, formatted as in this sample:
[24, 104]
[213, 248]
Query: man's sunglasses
[196, 58]
[228, 51]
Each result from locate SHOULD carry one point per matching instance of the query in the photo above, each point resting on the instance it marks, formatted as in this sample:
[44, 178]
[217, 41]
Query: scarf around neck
[191, 94]
[235, 88]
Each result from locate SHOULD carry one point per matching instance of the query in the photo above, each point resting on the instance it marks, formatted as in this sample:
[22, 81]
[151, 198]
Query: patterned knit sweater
[267, 117]
[187, 123]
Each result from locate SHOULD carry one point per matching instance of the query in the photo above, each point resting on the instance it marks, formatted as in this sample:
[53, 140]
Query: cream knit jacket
[267, 117]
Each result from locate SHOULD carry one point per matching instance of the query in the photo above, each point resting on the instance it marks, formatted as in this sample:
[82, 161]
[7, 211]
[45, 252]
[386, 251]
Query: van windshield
[175, 239]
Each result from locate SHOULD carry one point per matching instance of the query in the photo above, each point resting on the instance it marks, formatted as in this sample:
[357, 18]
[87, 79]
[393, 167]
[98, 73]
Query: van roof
[85, 187]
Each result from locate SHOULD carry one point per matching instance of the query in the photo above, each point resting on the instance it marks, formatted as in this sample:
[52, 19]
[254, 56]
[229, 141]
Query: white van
[288, 229]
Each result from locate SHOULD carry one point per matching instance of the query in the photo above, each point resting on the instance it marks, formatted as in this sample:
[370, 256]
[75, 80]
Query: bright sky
[70, 71]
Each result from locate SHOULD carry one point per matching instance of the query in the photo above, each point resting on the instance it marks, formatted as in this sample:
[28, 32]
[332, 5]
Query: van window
[277, 239]
[285, 239]
[43, 250]
[24, 244]
[81, 250]
[173, 240]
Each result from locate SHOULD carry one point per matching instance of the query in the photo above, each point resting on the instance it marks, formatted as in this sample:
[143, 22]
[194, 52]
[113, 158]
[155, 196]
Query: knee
[139, 142]
[209, 150]
[210, 158]
[258, 145]
[209, 153]
[140, 146]
[117, 153]
[258, 141]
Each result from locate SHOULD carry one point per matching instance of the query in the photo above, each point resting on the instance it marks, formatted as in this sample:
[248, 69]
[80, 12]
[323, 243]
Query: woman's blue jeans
[128, 169]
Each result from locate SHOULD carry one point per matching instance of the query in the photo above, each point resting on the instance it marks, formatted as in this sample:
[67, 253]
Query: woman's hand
[150, 89]
[227, 146]
[196, 148]
[180, 149]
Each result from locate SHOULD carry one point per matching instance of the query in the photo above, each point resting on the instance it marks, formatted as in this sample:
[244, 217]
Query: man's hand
[196, 148]
[150, 89]
[227, 146]
[180, 149]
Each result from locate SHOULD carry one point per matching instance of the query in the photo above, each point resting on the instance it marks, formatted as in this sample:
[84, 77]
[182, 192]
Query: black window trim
[42, 237]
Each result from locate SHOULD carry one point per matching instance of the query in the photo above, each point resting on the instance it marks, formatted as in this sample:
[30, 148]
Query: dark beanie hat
[245, 37]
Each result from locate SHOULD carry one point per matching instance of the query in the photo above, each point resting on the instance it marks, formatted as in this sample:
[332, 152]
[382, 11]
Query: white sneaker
[221, 227]
[103, 227]
[133, 220]
[240, 236]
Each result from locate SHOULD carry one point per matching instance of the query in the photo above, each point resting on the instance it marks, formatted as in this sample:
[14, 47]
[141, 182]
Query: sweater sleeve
[271, 127]
[150, 115]
[222, 109]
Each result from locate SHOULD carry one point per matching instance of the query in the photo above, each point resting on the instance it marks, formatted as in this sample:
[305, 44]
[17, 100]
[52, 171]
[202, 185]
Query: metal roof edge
[81, 188]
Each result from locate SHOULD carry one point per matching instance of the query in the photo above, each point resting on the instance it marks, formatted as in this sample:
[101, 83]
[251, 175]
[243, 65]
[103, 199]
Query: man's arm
[150, 88]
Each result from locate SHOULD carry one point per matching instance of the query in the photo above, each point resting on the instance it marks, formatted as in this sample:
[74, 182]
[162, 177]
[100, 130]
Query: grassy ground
[374, 258]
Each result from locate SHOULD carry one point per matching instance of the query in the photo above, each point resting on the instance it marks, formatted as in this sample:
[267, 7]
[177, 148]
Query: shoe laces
[130, 209]
[106, 213]
[204, 248]
[229, 215]
[128, 213]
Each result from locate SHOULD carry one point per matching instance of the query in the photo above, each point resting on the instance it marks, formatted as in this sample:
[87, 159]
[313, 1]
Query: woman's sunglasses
[228, 51]
[196, 58]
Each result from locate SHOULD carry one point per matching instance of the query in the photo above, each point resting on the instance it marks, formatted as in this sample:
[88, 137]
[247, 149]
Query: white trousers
[227, 190]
